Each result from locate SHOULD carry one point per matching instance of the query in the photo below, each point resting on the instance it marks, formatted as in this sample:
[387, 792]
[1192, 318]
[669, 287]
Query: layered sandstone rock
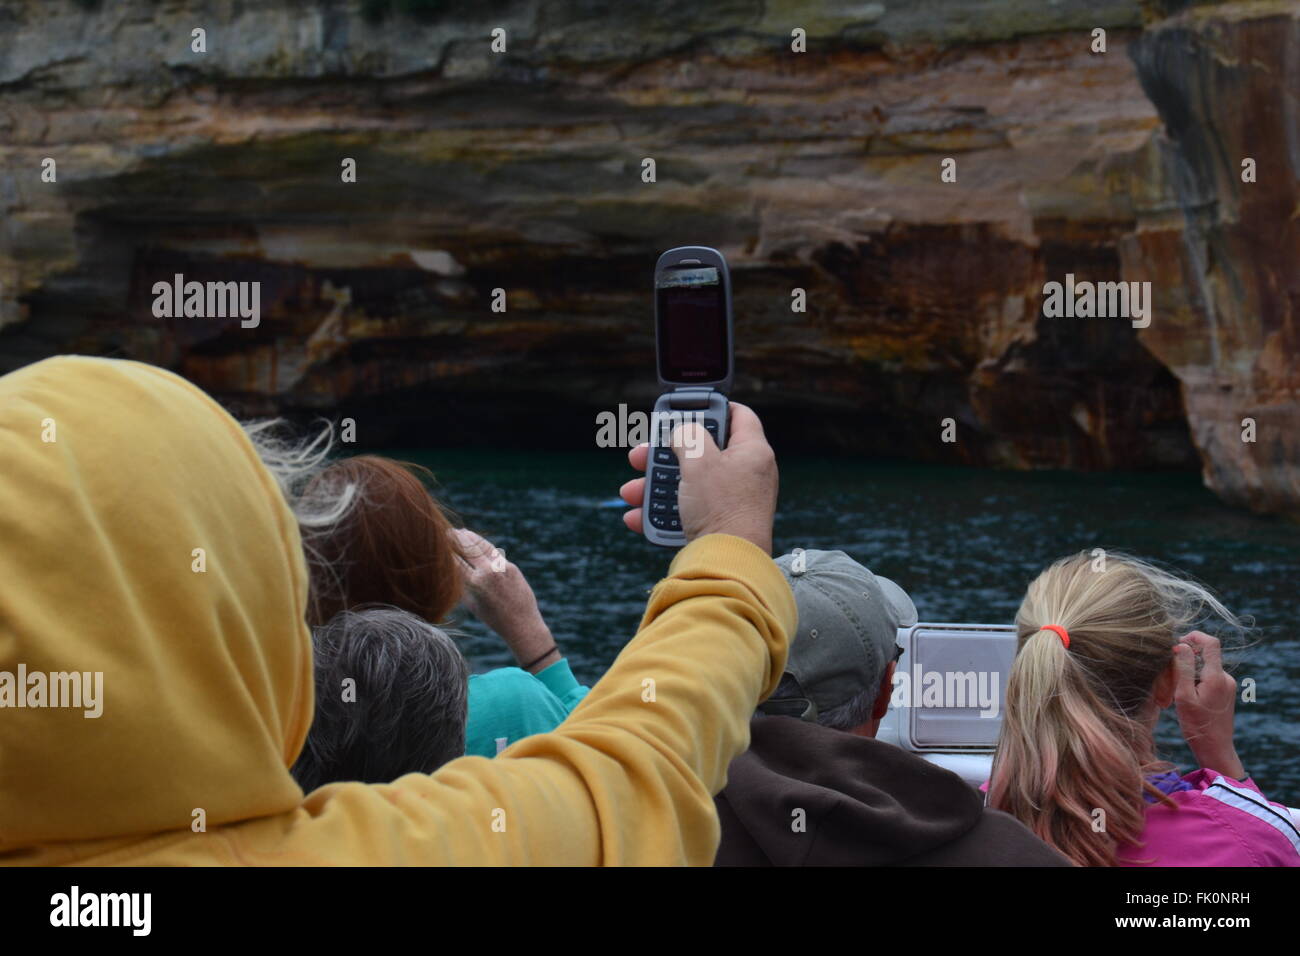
[819, 171]
[1223, 253]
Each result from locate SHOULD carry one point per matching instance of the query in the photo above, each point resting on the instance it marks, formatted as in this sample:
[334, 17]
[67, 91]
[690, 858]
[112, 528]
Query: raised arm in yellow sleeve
[118, 476]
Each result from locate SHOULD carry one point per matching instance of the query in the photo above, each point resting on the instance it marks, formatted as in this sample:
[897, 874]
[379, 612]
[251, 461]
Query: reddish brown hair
[393, 547]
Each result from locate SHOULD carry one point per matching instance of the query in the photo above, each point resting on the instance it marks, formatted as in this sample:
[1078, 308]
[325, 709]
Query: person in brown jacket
[815, 787]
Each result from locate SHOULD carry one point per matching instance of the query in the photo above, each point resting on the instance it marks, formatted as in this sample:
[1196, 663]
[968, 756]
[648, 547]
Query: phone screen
[692, 309]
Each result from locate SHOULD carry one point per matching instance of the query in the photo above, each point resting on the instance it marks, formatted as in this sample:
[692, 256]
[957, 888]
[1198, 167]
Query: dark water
[963, 542]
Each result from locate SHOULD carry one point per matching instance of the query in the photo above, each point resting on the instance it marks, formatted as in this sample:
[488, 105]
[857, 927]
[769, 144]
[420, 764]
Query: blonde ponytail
[1076, 729]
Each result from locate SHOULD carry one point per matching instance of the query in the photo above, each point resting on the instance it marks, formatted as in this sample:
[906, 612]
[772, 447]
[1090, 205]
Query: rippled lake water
[963, 542]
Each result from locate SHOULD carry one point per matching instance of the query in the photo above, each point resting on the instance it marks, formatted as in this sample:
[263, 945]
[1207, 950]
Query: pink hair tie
[1061, 632]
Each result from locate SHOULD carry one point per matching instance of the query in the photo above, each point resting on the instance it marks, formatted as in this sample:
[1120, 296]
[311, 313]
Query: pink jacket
[1216, 821]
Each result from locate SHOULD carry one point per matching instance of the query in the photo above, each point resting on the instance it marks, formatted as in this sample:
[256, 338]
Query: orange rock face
[819, 171]
[1221, 242]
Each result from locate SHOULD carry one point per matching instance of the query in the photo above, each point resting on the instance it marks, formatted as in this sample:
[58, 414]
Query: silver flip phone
[694, 354]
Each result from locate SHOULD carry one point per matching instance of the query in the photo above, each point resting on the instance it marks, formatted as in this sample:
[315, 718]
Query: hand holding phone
[722, 491]
[1205, 698]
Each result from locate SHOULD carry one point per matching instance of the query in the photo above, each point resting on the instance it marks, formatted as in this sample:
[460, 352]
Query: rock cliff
[820, 171]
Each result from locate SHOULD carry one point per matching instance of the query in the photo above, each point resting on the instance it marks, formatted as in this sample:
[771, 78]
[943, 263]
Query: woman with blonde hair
[1104, 646]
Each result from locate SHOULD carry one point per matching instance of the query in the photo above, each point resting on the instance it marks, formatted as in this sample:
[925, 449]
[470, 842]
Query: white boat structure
[949, 690]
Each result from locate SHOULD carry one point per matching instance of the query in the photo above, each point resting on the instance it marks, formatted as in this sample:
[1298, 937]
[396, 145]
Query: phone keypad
[665, 475]
[662, 510]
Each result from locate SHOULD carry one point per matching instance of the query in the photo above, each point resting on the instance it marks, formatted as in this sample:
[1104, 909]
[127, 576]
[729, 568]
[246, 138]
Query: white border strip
[1250, 802]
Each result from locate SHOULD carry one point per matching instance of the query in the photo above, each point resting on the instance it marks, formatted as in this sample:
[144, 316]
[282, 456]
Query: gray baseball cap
[848, 629]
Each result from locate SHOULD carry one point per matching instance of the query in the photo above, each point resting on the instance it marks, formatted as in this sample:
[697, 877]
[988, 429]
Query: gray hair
[294, 463]
[318, 506]
[392, 693]
[851, 714]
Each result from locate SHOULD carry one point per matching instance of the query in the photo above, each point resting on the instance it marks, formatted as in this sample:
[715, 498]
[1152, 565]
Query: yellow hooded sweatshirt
[142, 540]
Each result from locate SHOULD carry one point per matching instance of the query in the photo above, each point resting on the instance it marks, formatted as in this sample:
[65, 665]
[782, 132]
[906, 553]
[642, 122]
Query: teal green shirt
[509, 704]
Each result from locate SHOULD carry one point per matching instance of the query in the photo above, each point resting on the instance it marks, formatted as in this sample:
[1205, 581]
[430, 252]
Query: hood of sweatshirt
[805, 795]
[145, 549]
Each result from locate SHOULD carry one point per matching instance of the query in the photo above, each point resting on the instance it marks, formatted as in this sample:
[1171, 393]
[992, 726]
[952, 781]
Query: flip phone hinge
[689, 396]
